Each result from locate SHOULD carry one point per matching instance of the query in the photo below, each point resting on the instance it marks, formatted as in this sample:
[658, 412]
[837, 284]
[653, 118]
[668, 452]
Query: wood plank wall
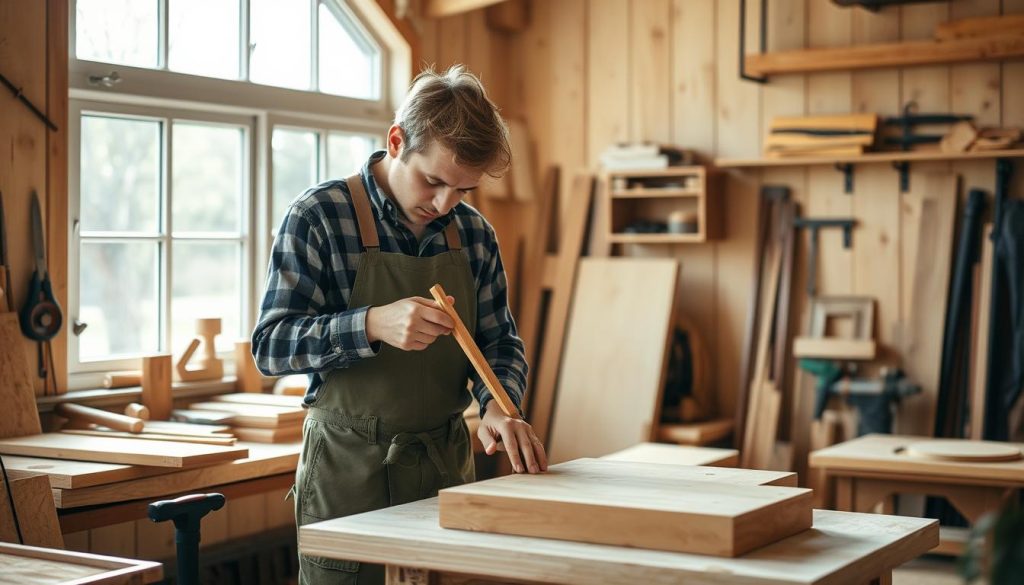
[586, 73]
[33, 56]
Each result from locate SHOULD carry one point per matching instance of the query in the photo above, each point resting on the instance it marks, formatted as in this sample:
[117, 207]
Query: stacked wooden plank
[259, 418]
[836, 135]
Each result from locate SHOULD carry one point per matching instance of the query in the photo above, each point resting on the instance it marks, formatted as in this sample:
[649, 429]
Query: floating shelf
[656, 238]
[645, 193]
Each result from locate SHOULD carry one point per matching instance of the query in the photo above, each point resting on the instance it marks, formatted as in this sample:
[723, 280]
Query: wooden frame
[88, 569]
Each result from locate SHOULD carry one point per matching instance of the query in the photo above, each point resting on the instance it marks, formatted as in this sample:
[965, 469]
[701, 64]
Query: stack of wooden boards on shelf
[836, 135]
[700, 510]
[256, 417]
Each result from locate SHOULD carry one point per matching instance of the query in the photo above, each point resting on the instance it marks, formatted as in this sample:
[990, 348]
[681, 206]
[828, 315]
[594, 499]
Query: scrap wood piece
[156, 386]
[254, 415]
[109, 450]
[283, 434]
[472, 352]
[609, 399]
[696, 433]
[37, 516]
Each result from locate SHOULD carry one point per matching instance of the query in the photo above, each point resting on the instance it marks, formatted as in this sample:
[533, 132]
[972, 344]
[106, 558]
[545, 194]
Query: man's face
[428, 184]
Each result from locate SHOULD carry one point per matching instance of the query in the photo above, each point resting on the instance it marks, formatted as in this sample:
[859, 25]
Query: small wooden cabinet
[677, 205]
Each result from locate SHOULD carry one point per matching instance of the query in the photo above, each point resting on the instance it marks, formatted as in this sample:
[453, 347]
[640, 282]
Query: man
[345, 302]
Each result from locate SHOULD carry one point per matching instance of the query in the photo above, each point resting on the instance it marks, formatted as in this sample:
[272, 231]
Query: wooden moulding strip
[885, 55]
[476, 358]
[839, 349]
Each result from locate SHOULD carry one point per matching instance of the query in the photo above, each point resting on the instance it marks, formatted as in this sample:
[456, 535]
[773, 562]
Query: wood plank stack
[260, 418]
[836, 135]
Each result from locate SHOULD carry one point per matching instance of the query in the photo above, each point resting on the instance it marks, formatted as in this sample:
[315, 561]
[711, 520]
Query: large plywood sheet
[702, 510]
[109, 450]
[613, 368]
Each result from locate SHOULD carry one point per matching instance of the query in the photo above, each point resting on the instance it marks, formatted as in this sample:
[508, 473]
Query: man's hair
[453, 109]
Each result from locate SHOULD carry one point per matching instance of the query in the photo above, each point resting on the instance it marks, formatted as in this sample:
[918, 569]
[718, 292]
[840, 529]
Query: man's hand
[411, 324]
[498, 432]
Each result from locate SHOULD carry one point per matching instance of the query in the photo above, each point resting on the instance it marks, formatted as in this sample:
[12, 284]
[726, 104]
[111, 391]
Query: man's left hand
[515, 436]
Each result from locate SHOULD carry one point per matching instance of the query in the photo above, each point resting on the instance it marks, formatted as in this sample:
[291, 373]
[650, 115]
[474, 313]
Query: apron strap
[451, 235]
[364, 215]
[402, 440]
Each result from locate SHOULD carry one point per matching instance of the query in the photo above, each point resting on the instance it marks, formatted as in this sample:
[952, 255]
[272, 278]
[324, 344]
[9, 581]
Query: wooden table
[868, 471]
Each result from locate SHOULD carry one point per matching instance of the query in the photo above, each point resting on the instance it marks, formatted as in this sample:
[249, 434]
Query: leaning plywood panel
[613, 369]
[673, 508]
[108, 450]
[37, 516]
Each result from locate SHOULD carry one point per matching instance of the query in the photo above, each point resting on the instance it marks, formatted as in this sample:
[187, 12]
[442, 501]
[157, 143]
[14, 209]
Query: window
[194, 124]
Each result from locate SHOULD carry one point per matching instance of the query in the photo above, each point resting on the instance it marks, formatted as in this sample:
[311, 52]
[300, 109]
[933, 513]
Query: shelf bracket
[743, 39]
[903, 167]
[847, 170]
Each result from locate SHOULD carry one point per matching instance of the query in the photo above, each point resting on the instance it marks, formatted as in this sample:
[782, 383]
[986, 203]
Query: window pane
[118, 299]
[347, 59]
[207, 281]
[120, 174]
[346, 153]
[295, 166]
[207, 177]
[203, 37]
[279, 34]
[117, 31]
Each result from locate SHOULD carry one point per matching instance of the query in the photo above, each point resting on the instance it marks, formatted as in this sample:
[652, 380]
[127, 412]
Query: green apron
[389, 429]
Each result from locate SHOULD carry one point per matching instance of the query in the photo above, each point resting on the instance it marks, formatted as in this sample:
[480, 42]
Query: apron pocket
[344, 476]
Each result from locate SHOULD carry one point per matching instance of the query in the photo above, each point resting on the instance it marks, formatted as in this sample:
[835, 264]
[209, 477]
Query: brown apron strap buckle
[364, 214]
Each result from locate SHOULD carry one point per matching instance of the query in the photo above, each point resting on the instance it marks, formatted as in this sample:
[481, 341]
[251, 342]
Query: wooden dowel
[120, 422]
[122, 379]
[137, 410]
[475, 357]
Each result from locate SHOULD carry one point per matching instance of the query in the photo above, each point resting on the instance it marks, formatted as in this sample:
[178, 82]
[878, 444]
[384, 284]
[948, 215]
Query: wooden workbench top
[887, 455]
[840, 548]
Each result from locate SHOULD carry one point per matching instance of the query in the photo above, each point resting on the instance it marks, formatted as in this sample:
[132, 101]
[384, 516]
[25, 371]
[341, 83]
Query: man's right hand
[411, 324]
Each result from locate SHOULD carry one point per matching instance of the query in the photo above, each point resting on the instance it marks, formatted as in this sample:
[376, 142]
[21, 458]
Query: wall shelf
[640, 204]
[900, 161]
[656, 238]
[666, 192]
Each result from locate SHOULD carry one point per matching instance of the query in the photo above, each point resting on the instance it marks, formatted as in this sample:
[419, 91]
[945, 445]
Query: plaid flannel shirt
[306, 325]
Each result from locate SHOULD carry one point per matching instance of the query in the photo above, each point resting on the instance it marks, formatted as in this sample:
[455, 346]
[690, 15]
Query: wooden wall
[34, 57]
[587, 73]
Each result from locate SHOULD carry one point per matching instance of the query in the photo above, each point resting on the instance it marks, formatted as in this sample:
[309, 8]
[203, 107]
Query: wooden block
[25, 565]
[676, 455]
[21, 416]
[600, 385]
[673, 508]
[848, 122]
[247, 377]
[255, 415]
[699, 433]
[284, 434]
[260, 399]
[136, 410]
[832, 348]
[122, 379]
[156, 386]
[37, 516]
[106, 450]
[959, 138]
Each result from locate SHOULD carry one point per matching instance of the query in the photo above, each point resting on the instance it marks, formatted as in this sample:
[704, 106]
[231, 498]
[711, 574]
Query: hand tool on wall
[475, 357]
[872, 398]
[816, 225]
[187, 513]
[40, 317]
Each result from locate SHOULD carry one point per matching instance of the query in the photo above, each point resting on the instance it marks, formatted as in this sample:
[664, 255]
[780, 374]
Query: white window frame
[160, 93]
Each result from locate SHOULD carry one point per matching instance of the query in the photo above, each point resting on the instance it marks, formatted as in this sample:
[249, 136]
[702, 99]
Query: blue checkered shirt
[306, 325]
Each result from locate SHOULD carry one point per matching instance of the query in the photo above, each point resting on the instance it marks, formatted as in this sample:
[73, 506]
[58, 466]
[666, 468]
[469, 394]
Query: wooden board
[283, 434]
[202, 440]
[165, 427]
[29, 565]
[37, 516]
[278, 400]
[969, 451]
[263, 461]
[105, 450]
[77, 474]
[21, 417]
[201, 417]
[676, 455]
[673, 508]
[835, 349]
[887, 455]
[979, 333]
[609, 399]
[254, 415]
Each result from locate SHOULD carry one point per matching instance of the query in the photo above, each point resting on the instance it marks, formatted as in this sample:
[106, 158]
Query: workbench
[841, 547]
[871, 470]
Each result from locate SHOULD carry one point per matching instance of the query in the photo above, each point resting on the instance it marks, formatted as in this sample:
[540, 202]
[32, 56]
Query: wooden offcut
[37, 516]
[21, 416]
[109, 450]
[283, 434]
[278, 400]
[254, 415]
[476, 358]
[644, 505]
[156, 386]
[616, 354]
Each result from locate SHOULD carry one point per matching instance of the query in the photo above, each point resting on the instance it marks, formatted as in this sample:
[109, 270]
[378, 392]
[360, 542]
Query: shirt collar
[384, 207]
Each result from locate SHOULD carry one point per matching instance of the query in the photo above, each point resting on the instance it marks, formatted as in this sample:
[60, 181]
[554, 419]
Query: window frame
[170, 95]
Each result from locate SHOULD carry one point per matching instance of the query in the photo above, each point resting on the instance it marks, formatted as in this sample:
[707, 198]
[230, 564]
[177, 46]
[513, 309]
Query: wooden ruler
[475, 357]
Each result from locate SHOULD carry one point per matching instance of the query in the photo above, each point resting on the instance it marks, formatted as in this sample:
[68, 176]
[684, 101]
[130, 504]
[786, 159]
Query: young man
[347, 301]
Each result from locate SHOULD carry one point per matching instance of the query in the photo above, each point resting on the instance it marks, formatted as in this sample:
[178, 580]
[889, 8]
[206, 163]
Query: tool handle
[475, 357]
[113, 420]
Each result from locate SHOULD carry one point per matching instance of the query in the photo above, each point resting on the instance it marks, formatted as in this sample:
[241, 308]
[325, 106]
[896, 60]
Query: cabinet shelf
[645, 200]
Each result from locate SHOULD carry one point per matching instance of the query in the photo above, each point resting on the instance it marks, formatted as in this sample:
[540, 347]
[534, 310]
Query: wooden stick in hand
[473, 353]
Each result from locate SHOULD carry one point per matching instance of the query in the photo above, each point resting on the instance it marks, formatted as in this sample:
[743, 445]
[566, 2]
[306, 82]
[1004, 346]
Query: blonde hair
[453, 108]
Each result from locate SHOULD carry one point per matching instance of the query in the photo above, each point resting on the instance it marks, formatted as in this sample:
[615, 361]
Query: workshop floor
[928, 570]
